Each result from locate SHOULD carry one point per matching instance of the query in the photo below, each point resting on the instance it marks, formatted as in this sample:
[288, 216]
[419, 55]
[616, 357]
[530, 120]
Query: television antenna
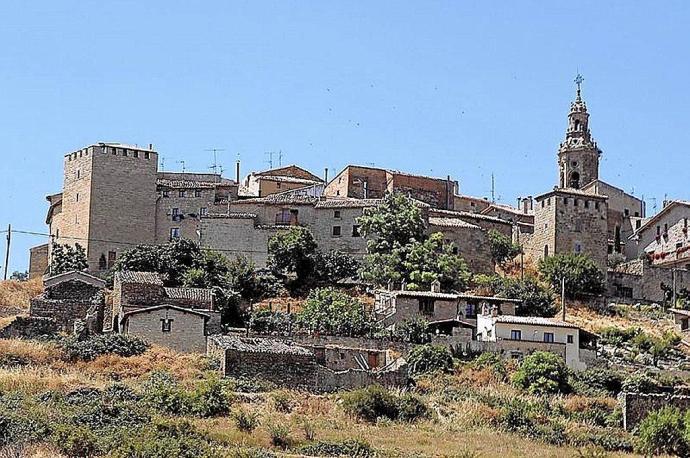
[215, 152]
[182, 163]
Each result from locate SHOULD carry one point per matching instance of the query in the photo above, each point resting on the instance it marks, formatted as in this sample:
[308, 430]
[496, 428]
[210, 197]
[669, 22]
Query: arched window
[577, 125]
[575, 180]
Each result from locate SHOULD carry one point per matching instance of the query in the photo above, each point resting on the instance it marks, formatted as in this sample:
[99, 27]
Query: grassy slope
[15, 295]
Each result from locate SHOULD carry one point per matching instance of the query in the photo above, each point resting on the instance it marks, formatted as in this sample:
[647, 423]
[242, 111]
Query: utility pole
[673, 278]
[7, 253]
[563, 295]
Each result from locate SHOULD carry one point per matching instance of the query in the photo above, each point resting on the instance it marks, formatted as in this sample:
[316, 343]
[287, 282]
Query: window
[576, 202]
[546, 251]
[586, 203]
[124, 152]
[548, 337]
[426, 306]
[197, 193]
[626, 212]
[175, 214]
[203, 211]
[658, 230]
[147, 155]
[336, 231]
[638, 224]
[136, 153]
[565, 201]
[166, 324]
[596, 205]
[355, 230]
[114, 151]
[571, 339]
[102, 263]
[336, 214]
[111, 259]
[515, 334]
[77, 197]
[182, 193]
[578, 247]
[174, 233]
[166, 193]
[78, 174]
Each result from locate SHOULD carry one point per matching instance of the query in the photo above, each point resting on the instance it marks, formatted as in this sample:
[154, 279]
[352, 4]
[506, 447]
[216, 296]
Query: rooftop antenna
[182, 162]
[215, 158]
[162, 163]
[280, 158]
[270, 158]
[493, 189]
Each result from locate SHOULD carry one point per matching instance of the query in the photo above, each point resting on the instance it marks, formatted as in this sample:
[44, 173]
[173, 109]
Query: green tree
[414, 330]
[582, 275]
[332, 312]
[502, 248]
[65, 258]
[292, 252]
[396, 222]
[425, 359]
[334, 266]
[433, 260]
[537, 300]
[172, 259]
[542, 373]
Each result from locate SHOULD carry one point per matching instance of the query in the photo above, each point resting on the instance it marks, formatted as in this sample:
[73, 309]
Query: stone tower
[578, 155]
[108, 201]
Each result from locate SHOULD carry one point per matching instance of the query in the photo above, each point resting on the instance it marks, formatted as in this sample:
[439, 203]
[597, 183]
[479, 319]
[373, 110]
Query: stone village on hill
[114, 198]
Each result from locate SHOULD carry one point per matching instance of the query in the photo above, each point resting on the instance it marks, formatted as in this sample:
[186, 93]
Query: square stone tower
[108, 201]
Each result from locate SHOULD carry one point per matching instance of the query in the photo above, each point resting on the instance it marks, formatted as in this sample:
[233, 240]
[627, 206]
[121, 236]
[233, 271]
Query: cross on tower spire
[578, 81]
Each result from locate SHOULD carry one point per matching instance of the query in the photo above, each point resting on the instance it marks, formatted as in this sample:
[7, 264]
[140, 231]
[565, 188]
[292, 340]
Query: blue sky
[454, 87]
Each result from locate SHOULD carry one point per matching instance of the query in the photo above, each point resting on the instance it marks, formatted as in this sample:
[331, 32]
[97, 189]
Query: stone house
[274, 181]
[519, 335]
[512, 214]
[469, 203]
[459, 311]
[485, 222]
[469, 240]
[69, 297]
[181, 329]
[38, 261]
[361, 182]
[664, 238]
[141, 290]
[292, 365]
[640, 281]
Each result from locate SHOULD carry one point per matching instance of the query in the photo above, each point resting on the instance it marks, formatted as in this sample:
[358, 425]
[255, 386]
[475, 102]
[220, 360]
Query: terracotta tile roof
[231, 215]
[195, 294]
[469, 215]
[279, 199]
[533, 320]
[574, 192]
[144, 278]
[348, 203]
[185, 184]
[260, 345]
[129, 313]
[451, 222]
[286, 179]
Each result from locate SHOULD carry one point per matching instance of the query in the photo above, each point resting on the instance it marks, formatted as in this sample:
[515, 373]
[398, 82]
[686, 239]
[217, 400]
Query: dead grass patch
[15, 295]
[37, 353]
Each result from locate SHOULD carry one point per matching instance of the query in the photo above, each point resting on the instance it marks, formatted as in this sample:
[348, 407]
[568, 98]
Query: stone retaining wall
[636, 406]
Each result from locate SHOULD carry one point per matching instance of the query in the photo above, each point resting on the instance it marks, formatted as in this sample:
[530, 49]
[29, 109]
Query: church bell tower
[578, 155]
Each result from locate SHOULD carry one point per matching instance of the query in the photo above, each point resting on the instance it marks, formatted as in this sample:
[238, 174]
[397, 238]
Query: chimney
[435, 286]
[237, 172]
[150, 146]
[325, 175]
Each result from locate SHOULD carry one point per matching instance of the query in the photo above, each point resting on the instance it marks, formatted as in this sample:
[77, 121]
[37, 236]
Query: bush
[270, 322]
[413, 330]
[162, 392]
[582, 275]
[536, 299]
[662, 432]
[640, 383]
[92, 347]
[411, 408]
[280, 435]
[282, 402]
[163, 439]
[210, 398]
[75, 441]
[332, 312]
[245, 421]
[542, 373]
[371, 403]
[502, 247]
[595, 382]
[352, 448]
[516, 416]
[424, 359]
[493, 362]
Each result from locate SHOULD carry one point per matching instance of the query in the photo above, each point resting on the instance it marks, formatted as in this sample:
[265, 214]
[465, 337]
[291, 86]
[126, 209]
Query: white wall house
[521, 334]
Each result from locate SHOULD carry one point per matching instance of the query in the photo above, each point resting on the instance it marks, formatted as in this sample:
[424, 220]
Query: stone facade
[638, 281]
[470, 204]
[665, 238]
[38, 261]
[183, 330]
[470, 242]
[274, 181]
[636, 406]
[373, 183]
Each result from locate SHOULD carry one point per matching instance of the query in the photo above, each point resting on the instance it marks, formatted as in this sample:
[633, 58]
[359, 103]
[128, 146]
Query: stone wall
[64, 312]
[75, 291]
[38, 261]
[187, 330]
[636, 406]
[514, 348]
[637, 281]
[471, 243]
[288, 370]
[140, 294]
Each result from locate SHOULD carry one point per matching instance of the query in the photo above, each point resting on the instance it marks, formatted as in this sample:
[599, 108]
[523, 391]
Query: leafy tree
[172, 259]
[663, 432]
[502, 248]
[292, 252]
[542, 373]
[424, 359]
[65, 258]
[396, 222]
[537, 300]
[582, 275]
[270, 322]
[332, 312]
[433, 260]
[334, 266]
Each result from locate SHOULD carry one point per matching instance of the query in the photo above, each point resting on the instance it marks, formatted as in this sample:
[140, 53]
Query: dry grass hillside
[15, 295]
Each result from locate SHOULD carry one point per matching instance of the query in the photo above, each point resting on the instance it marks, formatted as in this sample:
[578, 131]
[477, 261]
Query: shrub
[210, 398]
[536, 299]
[640, 383]
[663, 432]
[493, 362]
[270, 322]
[414, 330]
[163, 393]
[371, 403]
[163, 439]
[502, 247]
[597, 381]
[280, 435]
[282, 402]
[542, 373]
[245, 421]
[424, 359]
[89, 349]
[75, 441]
[516, 416]
[411, 408]
[332, 312]
[352, 448]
